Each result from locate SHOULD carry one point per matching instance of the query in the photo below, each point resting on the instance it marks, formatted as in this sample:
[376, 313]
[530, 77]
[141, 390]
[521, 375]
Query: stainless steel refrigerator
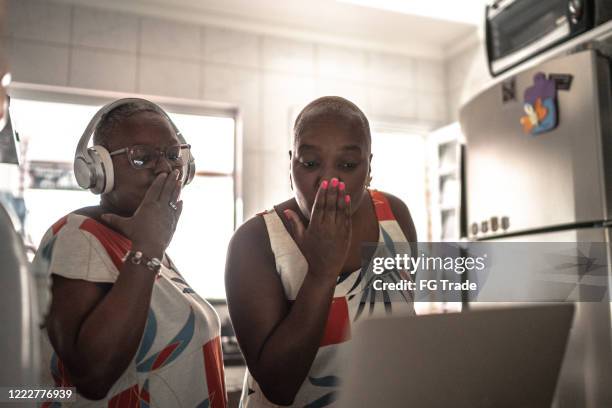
[538, 168]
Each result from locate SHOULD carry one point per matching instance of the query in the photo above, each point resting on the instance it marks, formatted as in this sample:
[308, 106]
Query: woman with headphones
[123, 326]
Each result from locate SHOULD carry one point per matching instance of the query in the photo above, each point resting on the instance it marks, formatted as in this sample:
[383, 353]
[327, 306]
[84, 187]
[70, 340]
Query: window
[200, 242]
[49, 132]
[398, 167]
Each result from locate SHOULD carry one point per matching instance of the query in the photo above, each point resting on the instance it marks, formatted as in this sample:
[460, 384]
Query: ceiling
[320, 20]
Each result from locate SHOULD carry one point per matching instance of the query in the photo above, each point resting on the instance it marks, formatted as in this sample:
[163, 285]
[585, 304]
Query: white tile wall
[162, 37]
[353, 91]
[239, 86]
[430, 76]
[388, 103]
[230, 84]
[459, 69]
[231, 47]
[454, 103]
[466, 73]
[36, 20]
[105, 29]
[101, 69]
[169, 77]
[290, 56]
[287, 88]
[392, 70]
[432, 107]
[283, 97]
[342, 63]
[39, 62]
[268, 78]
[253, 179]
[251, 126]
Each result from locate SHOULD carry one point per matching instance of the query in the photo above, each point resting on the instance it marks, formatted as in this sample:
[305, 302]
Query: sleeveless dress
[353, 300]
[178, 362]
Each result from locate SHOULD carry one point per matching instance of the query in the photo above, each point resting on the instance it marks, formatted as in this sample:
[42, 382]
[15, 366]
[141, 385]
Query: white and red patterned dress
[353, 300]
[179, 360]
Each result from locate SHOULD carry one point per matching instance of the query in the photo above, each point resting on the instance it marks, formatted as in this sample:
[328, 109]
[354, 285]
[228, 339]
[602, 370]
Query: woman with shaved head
[293, 273]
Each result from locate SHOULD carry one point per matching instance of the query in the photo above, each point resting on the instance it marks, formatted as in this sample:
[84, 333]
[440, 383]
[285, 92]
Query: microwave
[517, 30]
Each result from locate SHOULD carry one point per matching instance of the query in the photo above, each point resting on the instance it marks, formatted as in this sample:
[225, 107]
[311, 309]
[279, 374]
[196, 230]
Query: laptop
[501, 357]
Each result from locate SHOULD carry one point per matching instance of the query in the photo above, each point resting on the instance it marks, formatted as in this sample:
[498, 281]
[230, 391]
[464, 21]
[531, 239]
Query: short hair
[113, 118]
[332, 108]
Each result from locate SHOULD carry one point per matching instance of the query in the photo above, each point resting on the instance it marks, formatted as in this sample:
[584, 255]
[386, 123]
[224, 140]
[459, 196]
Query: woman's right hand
[153, 224]
[326, 240]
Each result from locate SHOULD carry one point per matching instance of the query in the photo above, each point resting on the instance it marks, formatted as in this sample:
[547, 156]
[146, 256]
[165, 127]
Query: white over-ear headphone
[93, 166]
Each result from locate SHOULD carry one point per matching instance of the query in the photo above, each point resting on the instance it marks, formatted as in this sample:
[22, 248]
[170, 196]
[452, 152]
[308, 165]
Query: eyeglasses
[146, 157]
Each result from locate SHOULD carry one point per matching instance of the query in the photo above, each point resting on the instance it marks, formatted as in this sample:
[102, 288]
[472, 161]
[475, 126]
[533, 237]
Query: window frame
[61, 94]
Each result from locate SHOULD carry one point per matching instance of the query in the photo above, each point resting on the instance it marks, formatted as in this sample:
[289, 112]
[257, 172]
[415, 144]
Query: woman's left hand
[153, 224]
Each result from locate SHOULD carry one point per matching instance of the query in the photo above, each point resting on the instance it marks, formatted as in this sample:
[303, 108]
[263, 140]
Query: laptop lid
[501, 357]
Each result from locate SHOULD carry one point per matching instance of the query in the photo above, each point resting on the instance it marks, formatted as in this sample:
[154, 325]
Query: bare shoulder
[252, 235]
[251, 238]
[249, 252]
[253, 228]
[402, 215]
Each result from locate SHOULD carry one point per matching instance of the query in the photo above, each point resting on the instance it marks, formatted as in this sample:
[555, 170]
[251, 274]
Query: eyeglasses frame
[160, 152]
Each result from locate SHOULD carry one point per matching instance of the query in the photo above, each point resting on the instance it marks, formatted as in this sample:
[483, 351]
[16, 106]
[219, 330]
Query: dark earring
[369, 181]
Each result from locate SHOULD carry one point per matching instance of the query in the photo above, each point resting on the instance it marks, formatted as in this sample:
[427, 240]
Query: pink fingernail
[324, 185]
[347, 198]
[342, 186]
[334, 182]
